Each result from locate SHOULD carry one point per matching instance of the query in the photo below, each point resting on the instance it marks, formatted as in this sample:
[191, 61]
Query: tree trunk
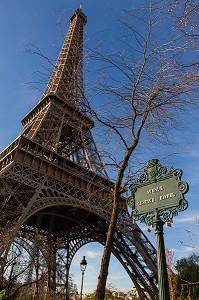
[101, 286]
[107, 250]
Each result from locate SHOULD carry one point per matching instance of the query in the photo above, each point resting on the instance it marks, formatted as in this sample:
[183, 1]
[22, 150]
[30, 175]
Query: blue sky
[36, 22]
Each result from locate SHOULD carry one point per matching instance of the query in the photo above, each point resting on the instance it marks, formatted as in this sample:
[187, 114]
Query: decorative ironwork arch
[53, 171]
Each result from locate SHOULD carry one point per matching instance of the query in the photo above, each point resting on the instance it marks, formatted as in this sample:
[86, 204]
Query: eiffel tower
[55, 194]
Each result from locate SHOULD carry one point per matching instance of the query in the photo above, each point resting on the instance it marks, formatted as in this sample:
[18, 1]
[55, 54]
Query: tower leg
[35, 256]
[51, 258]
[67, 271]
[52, 269]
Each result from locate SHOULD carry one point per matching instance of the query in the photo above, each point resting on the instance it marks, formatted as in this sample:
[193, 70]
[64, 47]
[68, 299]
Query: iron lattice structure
[55, 194]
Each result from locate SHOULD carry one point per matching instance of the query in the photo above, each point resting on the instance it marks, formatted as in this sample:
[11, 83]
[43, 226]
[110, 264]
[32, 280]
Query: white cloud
[119, 289]
[190, 217]
[118, 277]
[184, 219]
[191, 249]
[175, 250]
[194, 153]
[93, 254]
[186, 248]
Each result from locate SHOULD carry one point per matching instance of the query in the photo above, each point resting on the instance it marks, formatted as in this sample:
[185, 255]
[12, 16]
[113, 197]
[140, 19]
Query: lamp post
[83, 265]
[156, 197]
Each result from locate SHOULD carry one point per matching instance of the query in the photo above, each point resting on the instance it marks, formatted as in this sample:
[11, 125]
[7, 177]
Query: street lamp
[83, 265]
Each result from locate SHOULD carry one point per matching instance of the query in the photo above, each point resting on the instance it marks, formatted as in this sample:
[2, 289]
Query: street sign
[158, 192]
[156, 197]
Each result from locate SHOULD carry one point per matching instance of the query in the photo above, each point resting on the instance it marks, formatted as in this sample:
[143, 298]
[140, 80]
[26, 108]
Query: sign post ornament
[156, 197]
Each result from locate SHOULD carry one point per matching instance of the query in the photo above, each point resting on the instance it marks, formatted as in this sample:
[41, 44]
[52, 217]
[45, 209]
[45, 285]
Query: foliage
[174, 286]
[188, 279]
[185, 283]
[3, 295]
[108, 295]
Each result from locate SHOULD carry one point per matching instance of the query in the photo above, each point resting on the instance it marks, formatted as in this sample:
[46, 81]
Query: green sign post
[156, 197]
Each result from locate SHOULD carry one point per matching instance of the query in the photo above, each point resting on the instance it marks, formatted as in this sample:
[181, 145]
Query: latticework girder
[81, 214]
[66, 81]
[55, 195]
[79, 228]
[46, 184]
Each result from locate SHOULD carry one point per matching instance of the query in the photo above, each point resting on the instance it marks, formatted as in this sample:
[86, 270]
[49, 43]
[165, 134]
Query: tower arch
[54, 186]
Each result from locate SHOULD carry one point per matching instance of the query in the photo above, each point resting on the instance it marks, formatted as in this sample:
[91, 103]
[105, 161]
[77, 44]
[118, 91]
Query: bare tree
[147, 86]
